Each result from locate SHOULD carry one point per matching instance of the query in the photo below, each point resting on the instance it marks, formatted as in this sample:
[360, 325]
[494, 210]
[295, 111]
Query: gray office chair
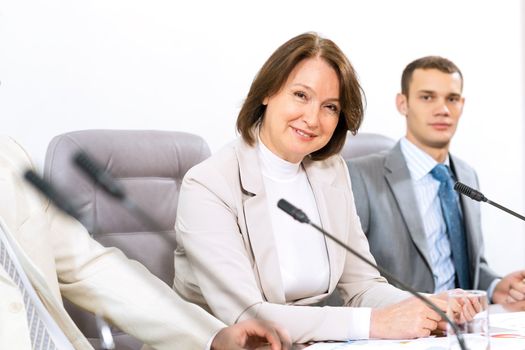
[364, 143]
[150, 165]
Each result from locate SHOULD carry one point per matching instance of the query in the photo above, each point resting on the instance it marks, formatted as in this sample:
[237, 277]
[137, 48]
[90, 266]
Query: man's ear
[402, 103]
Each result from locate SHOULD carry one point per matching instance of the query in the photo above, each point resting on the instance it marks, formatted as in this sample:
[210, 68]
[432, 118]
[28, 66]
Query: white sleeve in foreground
[208, 346]
[359, 327]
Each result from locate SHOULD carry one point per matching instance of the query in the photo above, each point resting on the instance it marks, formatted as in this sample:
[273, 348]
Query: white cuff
[359, 327]
[490, 289]
[208, 346]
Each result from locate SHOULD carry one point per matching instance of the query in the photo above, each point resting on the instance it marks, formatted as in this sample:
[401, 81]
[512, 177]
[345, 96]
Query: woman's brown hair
[274, 73]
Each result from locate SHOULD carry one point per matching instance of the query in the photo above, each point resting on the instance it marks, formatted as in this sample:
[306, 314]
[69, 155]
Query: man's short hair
[429, 62]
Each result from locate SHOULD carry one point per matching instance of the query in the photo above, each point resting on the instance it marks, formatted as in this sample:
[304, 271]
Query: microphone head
[99, 175]
[294, 212]
[51, 193]
[469, 192]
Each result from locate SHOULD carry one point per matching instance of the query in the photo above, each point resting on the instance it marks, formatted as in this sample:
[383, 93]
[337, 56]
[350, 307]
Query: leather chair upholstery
[364, 143]
[150, 165]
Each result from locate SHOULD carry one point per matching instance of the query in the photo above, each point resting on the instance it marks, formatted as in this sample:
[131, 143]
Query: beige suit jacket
[226, 258]
[61, 259]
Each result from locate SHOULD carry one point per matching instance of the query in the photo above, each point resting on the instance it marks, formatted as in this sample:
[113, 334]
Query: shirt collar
[419, 162]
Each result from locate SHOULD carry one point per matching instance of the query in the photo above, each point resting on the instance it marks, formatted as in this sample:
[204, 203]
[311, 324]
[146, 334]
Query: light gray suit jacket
[386, 204]
[60, 259]
[226, 259]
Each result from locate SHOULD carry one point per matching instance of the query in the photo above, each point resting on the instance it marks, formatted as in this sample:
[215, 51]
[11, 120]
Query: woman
[239, 256]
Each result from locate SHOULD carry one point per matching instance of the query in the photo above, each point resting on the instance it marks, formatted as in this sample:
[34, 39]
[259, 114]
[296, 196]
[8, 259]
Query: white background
[187, 65]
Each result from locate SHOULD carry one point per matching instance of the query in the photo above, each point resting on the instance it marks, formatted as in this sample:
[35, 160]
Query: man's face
[432, 108]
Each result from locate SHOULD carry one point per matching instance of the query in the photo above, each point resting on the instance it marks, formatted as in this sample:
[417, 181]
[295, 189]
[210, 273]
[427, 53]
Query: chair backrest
[150, 165]
[364, 143]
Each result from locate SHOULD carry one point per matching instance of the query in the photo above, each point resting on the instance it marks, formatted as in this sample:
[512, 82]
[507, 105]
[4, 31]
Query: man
[417, 226]
[45, 255]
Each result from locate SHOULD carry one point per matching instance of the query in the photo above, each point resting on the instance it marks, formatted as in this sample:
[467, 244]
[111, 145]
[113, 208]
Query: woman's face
[301, 117]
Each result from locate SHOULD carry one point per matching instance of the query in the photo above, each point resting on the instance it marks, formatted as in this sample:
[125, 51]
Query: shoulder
[331, 170]
[20, 200]
[12, 156]
[223, 162]
[224, 172]
[369, 163]
[461, 166]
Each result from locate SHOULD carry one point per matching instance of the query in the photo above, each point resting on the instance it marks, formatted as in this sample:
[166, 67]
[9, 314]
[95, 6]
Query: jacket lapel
[398, 177]
[330, 201]
[259, 225]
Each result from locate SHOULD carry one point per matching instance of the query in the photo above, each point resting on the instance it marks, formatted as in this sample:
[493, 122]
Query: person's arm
[101, 279]
[123, 291]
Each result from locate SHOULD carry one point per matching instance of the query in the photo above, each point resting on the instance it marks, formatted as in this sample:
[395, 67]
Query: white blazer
[226, 260]
[62, 260]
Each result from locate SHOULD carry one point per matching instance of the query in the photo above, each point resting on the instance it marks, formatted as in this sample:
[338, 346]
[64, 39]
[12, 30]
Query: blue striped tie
[39, 335]
[456, 233]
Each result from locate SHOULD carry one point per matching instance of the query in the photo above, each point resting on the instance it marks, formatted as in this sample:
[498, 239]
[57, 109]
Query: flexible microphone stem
[478, 196]
[146, 220]
[506, 209]
[300, 216]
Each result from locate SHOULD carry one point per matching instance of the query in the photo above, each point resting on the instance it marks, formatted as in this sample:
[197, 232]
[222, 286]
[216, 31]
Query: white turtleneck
[302, 252]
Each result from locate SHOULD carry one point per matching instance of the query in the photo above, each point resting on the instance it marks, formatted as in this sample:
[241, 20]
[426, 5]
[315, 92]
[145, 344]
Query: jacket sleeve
[103, 280]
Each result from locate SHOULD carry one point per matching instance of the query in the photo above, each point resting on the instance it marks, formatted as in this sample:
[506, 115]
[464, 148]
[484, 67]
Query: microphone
[100, 176]
[51, 193]
[300, 216]
[104, 179]
[478, 196]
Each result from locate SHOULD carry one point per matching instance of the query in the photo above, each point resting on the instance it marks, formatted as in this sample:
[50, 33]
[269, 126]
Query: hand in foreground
[511, 289]
[410, 318]
[251, 334]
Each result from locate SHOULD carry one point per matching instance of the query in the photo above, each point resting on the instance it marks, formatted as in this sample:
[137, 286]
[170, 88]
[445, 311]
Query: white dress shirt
[426, 188]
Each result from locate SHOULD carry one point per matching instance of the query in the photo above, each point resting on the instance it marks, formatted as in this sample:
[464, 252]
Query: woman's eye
[300, 94]
[333, 108]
